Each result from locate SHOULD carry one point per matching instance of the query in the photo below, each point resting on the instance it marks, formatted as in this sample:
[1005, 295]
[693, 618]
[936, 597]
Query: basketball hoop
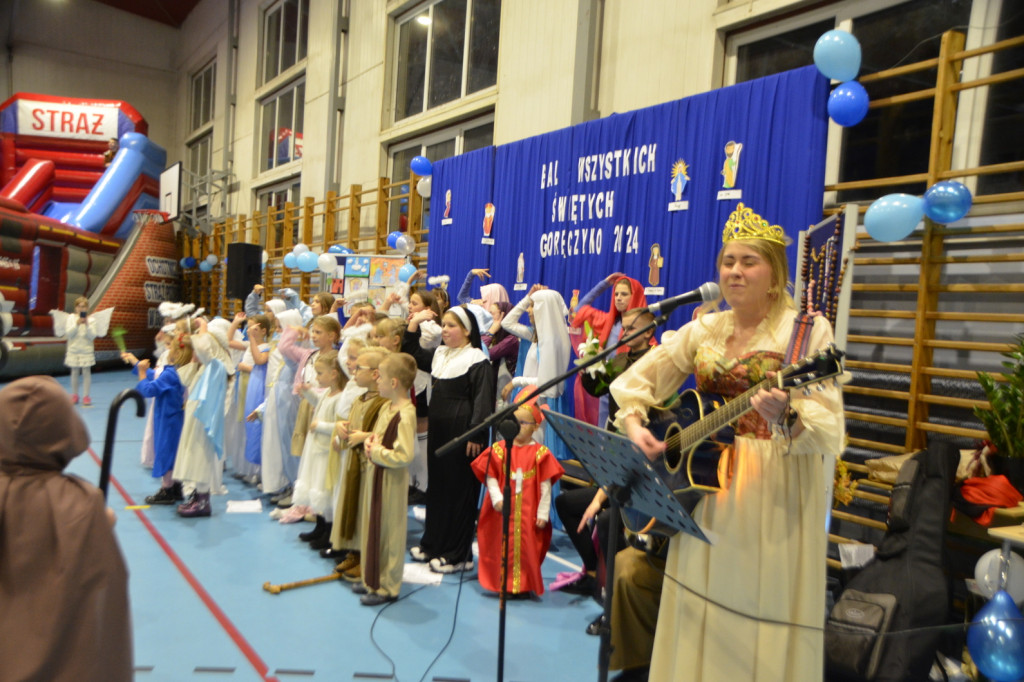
[148, 216]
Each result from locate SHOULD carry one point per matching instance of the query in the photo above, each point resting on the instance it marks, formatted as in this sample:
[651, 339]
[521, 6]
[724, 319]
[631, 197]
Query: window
[284, 36]
[442, 144]
[445, 51]
[281, 126]
[894, 140]
[199, 165]
[1003, 137]
[201, 100]
[274, 198]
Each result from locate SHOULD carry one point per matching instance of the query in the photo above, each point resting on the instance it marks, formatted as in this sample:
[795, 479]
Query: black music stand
[626, 475]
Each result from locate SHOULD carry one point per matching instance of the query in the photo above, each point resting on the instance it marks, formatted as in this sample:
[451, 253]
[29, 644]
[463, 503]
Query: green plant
[1004, 420]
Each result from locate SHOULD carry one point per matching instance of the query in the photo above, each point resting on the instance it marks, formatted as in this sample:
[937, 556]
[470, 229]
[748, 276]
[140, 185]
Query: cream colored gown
[750, 606]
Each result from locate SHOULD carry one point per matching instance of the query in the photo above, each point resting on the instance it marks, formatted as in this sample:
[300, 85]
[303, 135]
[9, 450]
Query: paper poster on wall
[384, 270]
[365, 278]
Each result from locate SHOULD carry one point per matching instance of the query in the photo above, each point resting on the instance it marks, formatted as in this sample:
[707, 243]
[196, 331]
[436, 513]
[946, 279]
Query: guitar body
[691, 473]
[706, 466]
[698, 435]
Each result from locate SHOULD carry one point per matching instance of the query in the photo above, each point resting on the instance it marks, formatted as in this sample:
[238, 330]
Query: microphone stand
[503, 417]
[509, 428]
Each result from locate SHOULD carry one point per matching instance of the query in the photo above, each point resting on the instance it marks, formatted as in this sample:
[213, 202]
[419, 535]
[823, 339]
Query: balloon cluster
[837, 56]
[307, 260]
[420, 165]
[205, 265]
[895, 216]
[401, 242]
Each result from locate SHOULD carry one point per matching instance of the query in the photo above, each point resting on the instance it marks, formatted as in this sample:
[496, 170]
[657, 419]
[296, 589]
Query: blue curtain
[585, 201]
[469, 179]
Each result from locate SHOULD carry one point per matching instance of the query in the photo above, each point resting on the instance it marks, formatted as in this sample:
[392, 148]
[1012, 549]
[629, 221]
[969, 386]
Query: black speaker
[244, 269]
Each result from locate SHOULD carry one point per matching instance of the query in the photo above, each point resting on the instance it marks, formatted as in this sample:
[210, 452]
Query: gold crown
[743, 223]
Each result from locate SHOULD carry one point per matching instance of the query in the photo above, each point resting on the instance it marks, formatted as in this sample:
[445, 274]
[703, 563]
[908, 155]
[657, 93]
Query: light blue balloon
[307, 261]
[204, 266]
[947, 201]
[393, 238]
[290, 260]
[837, 55]
[996, 639]
[183, 262]
[848, 104]
[894, 216]
[406, 271]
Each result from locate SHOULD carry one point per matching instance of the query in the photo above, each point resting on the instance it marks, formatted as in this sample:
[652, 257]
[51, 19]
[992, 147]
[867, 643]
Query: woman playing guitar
[751, 604]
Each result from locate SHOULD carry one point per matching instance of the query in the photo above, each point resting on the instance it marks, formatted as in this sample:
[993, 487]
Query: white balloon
[211, 259]
[423, 187]
[300, 248]
[266, 256]
[327, 263]
[986, 574]
[405, 245]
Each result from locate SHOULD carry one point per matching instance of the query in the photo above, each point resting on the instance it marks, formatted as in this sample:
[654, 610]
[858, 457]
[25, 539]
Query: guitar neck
[721, 417]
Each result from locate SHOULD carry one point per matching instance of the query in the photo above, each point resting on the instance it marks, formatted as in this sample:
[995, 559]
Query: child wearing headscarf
[198, 463]
[63, 580]
[627, 293]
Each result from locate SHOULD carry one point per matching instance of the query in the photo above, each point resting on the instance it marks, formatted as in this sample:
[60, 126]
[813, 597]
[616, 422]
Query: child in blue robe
[167, 388]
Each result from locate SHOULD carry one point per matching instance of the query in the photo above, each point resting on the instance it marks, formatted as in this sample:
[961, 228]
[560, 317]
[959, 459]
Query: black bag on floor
[904, 588]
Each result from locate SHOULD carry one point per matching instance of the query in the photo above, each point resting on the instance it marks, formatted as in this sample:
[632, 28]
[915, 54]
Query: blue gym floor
[200, 612]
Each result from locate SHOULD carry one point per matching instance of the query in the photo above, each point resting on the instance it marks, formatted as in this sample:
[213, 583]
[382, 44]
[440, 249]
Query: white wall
[81, 48]
[655, 51]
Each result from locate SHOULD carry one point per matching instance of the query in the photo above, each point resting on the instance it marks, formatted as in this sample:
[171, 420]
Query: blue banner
[461, 190]
[646, 193]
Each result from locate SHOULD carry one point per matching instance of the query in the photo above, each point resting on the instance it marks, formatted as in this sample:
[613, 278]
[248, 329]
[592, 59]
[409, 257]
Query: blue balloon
[307, 261]
[183, 263]
[406, 271]
[290, 260]
[848, 104]
[893, 217]
[335, 248]
[204, 266]
[393, 239]
[190, 262]
[421, 165]
[947, 201]
[837, 55]
[345, 251]
[996, 639]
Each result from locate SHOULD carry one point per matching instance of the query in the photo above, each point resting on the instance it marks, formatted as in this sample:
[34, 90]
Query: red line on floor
[222, 618]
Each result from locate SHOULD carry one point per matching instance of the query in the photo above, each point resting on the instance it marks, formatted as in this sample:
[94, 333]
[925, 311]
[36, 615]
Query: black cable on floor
[451, 633]
[373, 641]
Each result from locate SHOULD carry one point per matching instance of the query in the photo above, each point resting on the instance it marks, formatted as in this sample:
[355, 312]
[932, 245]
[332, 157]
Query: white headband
[463, 316]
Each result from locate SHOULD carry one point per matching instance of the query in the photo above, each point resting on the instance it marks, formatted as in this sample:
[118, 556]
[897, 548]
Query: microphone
[708, 291]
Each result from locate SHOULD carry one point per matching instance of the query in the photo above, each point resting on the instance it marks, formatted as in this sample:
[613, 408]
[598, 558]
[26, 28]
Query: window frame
[967, 142]
[203, 125]
[294, 160]
[301, 44]
[407, 16]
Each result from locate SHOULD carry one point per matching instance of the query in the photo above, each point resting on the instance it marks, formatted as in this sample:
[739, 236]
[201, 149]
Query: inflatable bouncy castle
[75, 176]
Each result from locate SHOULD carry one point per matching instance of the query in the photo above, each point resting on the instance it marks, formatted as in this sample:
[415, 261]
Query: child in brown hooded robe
[63, 581]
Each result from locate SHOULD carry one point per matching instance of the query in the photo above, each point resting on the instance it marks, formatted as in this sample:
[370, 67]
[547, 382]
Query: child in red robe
[534, 470]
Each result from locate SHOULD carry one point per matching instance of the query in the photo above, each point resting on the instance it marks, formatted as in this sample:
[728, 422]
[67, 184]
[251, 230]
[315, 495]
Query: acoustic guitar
[698, 435]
